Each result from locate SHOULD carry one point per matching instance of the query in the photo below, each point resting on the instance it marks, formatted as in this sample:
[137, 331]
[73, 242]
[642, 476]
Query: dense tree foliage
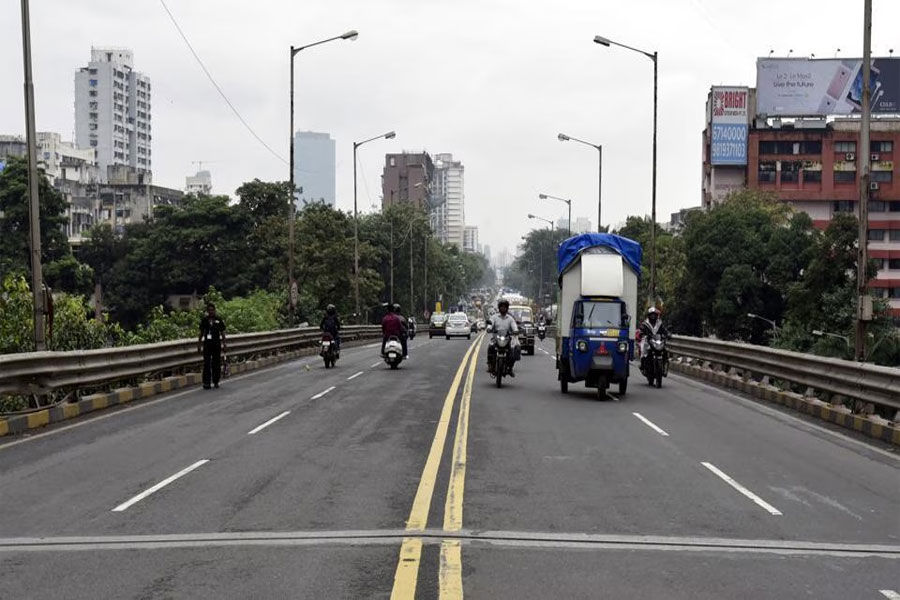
[60, 269]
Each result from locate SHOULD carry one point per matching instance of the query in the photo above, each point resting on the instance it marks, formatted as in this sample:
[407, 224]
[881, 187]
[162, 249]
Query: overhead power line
[216, 85]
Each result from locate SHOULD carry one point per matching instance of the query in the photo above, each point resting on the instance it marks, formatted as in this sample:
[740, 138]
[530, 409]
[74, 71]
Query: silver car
[458, 325]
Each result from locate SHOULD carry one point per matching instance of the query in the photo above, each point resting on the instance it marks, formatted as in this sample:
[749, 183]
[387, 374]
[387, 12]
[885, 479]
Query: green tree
[61, 271]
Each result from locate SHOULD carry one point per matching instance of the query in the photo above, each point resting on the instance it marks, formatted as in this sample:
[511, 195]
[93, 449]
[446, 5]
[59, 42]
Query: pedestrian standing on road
[212, 345]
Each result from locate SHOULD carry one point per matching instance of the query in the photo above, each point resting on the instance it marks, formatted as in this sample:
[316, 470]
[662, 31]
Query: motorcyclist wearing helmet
[331, 324]
[503, 323]
[651, 326]
[405, 334]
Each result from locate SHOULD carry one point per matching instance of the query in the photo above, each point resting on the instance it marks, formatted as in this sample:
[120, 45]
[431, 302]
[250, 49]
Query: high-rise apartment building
[470, 239]
[448, 218]
[112, 110]
[406, 179]
[314, 168]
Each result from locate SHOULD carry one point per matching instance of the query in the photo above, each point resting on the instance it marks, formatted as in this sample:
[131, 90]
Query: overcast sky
[492, 81]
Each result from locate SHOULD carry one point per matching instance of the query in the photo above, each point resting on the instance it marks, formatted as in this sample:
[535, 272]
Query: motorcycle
[541, 331]
[655, 365]
[329, 351]
[393, 352]
[411, 331]
[502, 359]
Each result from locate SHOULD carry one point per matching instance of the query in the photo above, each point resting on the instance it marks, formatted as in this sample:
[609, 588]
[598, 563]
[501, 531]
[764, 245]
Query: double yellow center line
[450, 576]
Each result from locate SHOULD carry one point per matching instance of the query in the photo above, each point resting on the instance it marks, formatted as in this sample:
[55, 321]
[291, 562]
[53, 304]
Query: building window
[882, 146]
[810, 147]
[876, 235]
[93, 143]
[767, 172]
[812, 176]
[845, 176]
[894, 235]
[894, 206]
[893, 263]
[877, 206]
[92, 83]
[92, 93]
[882, 176]
[845, 147]
[879, 292]
[843, 206]
[895, 292]
[790, 171]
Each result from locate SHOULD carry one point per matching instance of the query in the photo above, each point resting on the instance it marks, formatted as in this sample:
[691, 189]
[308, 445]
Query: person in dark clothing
[331, 323]
[390, 326]
[212, 344]
[404, 325]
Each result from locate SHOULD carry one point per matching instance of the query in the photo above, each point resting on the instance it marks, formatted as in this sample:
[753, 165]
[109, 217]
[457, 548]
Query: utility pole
[653, 204]
[599, 187]
[412, 307]
[34, 205]
[864, 300]
[392, 250]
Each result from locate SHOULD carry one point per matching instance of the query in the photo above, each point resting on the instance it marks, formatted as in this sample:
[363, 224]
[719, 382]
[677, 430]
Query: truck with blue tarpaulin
[598, 281]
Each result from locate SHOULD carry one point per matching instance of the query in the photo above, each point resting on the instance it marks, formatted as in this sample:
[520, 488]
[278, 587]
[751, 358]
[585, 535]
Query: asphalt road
[427, 482]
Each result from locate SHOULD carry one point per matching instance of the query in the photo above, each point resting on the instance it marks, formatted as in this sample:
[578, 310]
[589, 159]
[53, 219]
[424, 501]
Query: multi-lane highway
[362, 482]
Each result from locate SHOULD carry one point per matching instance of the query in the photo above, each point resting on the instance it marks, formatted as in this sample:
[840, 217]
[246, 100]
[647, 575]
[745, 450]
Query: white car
[458, 324]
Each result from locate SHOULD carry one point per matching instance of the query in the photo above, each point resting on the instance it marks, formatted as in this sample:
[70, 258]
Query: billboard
[728, 120]
[799, 87]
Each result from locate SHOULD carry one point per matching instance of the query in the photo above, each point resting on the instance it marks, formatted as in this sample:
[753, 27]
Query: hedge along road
[532, 494]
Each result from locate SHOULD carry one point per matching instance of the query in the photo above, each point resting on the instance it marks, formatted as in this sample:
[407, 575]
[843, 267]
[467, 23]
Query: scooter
[655, 365]
[411, 330]
[541, 331]
[393, 352]
[329, 351]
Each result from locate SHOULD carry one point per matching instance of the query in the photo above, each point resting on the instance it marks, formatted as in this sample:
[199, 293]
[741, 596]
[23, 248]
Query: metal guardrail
[856, 381]
[42, 373]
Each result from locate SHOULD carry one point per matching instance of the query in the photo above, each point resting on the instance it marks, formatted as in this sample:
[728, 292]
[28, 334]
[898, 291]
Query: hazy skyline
[491, 82]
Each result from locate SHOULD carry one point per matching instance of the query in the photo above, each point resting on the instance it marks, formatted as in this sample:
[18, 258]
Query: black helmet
[330, 309]
[390, 307]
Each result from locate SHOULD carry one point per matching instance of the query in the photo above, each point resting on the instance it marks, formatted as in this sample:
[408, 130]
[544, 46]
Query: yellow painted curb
[165, 385]
[123, 395]
[148, 388]
[4, 428]
[38, 419]
[100, 401]
[70, 411]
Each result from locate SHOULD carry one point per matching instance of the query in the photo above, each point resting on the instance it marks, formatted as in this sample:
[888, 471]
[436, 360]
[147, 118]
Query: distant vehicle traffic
[525, 319]
[458, 326]
[436, 324]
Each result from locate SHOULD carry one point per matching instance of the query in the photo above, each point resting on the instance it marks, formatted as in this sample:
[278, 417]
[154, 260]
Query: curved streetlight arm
[389, 135]
[350, 35]
[607, 42]
[548, 196]
[565, 138]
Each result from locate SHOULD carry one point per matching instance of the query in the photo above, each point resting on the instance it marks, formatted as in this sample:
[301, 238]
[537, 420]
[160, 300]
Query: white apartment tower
[448, 191]
[470, 239]
[314, 169]
[112, 110]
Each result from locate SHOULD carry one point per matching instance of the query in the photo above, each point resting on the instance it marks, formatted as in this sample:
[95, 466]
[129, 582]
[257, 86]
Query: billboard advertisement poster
[799, 87]
[728, 126]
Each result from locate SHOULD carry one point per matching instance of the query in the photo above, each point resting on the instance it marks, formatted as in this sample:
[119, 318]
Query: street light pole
[568, 202]
[599, 148]
[34, 210]
[655, 58]
[864, 301]
[350, 35]
[389, 135]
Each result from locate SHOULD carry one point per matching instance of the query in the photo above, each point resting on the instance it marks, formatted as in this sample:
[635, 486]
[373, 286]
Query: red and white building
[812, 164]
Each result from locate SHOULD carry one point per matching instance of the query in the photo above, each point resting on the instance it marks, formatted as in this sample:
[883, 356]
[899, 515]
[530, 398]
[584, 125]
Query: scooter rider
[390, 327]
[502, 323]
[651, 326]
[405, 325]
[331, 323]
